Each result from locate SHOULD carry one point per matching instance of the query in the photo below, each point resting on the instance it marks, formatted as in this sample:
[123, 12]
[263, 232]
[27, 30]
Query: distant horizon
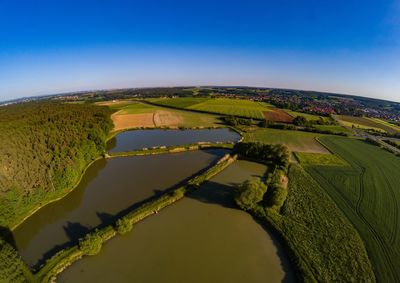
[188, 86]
[339, 46]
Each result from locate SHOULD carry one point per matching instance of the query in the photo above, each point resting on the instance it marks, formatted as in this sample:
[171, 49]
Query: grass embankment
[368, 193]
[171, 149]
[66, 257]
[297, 141]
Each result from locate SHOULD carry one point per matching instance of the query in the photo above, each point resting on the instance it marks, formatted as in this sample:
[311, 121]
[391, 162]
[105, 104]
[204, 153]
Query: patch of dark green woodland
[277, 155]
[45, 149]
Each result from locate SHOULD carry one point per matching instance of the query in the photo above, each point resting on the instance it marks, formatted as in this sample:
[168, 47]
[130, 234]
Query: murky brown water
[138, 139]
[202, 238]
[107, 188]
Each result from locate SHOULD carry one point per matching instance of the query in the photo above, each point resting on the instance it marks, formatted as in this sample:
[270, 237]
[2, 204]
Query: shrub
[249, 193]
[277, 196]
[91, 244]
[123, 226]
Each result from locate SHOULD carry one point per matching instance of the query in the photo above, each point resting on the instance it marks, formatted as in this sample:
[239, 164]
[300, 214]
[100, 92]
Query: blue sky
[340, 46]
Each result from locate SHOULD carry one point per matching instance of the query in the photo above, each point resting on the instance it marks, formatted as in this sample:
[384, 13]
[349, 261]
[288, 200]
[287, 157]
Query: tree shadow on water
[215, 193]
[7, 236]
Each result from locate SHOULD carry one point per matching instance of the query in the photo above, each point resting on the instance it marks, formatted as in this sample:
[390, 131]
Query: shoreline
[105, 155]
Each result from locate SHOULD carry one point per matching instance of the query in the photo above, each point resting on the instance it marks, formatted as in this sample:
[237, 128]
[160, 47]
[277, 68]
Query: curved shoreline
[111, 135]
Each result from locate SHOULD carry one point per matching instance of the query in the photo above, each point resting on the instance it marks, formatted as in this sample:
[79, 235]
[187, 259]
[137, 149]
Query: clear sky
[341, 46]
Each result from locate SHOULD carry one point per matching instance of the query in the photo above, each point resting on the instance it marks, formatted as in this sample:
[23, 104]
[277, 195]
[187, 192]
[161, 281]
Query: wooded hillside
[44, 147]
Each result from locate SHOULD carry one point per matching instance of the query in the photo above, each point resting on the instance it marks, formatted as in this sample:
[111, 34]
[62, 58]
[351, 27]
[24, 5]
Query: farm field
[182, 102]
[278, 115]
[315, 227]
[306, 158]
[369, 194]
[388, 126]
[297, 141]
[363, 123]
[223, 106]
[137, 115]
[310, 117]
[333, 128]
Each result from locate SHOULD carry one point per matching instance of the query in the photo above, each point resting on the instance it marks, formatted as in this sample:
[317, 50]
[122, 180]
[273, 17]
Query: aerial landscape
[161, 149]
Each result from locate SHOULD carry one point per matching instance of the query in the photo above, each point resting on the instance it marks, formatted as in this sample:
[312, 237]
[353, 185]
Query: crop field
[244, 108]
[182, 102]
[137, 115]
[390, 128]
[310, 117]
[362, 123]
[297, 141]
[333, 128]
[278, 115]
[223, 106]
[368, 192]
[306, 158]
[329, 247]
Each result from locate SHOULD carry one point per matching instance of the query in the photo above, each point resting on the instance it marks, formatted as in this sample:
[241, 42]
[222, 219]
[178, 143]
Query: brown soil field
[128, 121]
[278, 115]
[167, 118]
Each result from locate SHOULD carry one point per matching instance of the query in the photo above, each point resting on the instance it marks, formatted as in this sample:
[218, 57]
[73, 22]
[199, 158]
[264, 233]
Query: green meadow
[368, 193]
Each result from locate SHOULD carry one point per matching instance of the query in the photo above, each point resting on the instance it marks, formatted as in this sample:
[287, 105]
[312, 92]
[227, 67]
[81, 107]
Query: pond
[109, 187]
[202, 238]
[138, 139]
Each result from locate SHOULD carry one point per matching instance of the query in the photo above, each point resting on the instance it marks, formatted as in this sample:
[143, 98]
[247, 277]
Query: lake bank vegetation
[321, 242]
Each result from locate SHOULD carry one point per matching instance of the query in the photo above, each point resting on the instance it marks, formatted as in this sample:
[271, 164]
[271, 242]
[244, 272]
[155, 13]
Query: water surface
[202, 238]
[138, 139]
[107, 188]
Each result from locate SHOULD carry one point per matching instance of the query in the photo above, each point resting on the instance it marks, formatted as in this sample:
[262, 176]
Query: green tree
[249, 193]
[91, 244]
[123, 226]
[300, 121]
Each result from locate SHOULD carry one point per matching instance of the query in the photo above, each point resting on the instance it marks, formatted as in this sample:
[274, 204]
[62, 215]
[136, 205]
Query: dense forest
[44, 149]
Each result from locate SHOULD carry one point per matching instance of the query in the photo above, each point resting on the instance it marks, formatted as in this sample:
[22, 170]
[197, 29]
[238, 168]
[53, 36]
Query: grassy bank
[170, 149]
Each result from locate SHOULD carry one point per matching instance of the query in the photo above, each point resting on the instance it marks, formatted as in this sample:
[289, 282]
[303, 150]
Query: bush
[277, 196]
[91, 244]
[123, 226]
[249, 193]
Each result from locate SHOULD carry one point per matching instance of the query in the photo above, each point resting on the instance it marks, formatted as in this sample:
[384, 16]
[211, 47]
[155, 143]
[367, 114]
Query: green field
[363, 123]
[297, 141]
[309, 117]
[306, 158]
[224, 106]
[391, 128]
[369, 194]
[182, 102]
[327, 247]
[333, 128]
